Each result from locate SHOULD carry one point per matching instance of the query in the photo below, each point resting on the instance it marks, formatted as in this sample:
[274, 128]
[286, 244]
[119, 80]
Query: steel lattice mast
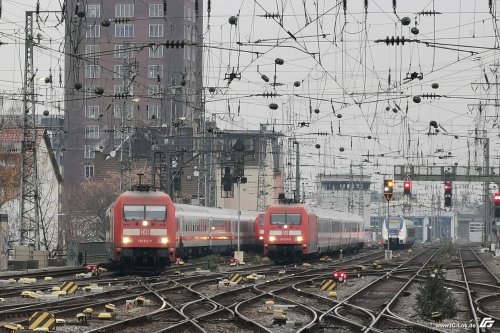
[30, 222]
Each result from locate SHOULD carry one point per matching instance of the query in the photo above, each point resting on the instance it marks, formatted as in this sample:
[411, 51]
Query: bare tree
[9, 176]
[86, 206]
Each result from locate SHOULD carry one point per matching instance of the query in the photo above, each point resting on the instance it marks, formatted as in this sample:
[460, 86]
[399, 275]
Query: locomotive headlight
[272, 238]
[261, 238]
[299, 238]
[126, 240]
[164, 240]
[145, 223]
[285, 226]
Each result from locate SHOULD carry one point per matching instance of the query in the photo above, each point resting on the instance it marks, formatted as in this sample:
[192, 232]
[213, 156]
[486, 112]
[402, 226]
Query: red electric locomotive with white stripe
[149, 231]
[259, 232]
[296, 232]
[142, 230]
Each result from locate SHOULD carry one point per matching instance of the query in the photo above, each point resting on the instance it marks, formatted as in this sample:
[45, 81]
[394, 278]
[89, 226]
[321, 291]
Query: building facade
[49, 180]
[345, 192]
[130, 65]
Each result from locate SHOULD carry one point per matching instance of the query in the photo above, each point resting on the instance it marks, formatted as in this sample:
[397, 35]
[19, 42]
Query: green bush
[434, 297]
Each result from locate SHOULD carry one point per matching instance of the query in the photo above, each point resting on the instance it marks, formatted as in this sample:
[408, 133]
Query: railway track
[185, 300]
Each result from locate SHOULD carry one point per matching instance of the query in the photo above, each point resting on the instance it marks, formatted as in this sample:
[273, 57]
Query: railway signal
[447, 194]
[407, 187]
[388, 189]
[496, 199]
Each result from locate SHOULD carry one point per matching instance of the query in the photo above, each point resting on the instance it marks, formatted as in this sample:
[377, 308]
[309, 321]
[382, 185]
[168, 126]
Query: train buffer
[235, 277]
[13, 327]
[328, 285]
[69, 287]
[42, 320]
[279, 319]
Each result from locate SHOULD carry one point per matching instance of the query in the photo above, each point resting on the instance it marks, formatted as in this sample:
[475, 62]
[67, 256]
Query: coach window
[133, 212]
[157, 213]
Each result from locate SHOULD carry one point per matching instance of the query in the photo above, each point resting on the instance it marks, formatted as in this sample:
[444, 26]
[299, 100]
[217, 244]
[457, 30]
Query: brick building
[127, 70]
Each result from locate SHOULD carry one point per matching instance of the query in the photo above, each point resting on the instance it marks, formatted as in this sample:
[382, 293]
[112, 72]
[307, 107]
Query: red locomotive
[259, 232]
[148, 230]
[142, 229]
[299, 232]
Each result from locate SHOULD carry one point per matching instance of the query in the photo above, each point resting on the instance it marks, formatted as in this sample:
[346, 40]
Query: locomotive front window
[293, 219]
[394, 224]
[157, 213]
[133, 212]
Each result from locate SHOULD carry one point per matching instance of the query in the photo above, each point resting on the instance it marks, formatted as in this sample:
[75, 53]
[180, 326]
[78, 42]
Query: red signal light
[407, 187]
[447, 186]
[496, 198]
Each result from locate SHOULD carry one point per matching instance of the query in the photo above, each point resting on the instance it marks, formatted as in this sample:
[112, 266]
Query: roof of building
[15, 134]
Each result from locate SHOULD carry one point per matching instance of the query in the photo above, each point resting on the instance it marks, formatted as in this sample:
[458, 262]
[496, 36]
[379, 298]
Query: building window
[93, 30]
[153, 111]
[122, 50]
[91, 111]
[90, 91]
[124, 30]
[153, 90]
[92, 132]
[118, 71]
[92, 71]
[156, 52]
[120, 89]
[89, 151]
[92, 51]
[187, 53]
[188, 33]
[155, 71]
[117, 133]
[118, 110]
[89, 170]
[156, 10]
[189, 14]
[124, 10]
[93, 11]
[156, 30]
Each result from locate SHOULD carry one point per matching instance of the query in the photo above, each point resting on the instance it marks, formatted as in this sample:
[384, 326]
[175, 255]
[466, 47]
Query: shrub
[434, 297]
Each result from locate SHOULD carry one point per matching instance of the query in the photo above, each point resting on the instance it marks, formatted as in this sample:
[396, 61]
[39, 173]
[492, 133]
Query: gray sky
[341, 70]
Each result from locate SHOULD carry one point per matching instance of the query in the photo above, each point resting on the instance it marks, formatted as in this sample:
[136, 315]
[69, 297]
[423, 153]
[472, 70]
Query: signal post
[388, 193]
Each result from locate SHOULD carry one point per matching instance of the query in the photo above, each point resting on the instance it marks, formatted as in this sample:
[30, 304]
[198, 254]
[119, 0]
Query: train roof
[143, 194]
[326, 213]
[212, 211]
[338, 215]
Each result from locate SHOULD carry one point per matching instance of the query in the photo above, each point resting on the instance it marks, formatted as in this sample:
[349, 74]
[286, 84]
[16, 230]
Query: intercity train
[296, 232]
[147, 230]
[398, 232]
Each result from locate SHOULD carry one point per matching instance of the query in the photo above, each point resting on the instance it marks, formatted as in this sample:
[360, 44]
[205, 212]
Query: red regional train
[294, 232]
[148, 231]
